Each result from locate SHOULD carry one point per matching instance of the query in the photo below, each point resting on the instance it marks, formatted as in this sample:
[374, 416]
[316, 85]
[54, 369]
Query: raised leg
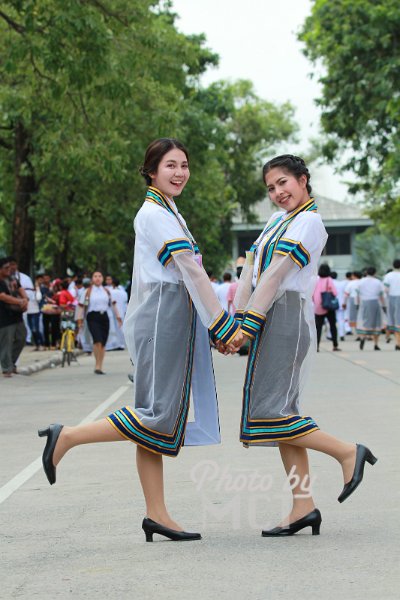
[90, 433]
[344, 452]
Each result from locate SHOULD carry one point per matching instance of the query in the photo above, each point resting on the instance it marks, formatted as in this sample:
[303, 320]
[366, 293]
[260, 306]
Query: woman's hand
[233, 346]
[119, 321]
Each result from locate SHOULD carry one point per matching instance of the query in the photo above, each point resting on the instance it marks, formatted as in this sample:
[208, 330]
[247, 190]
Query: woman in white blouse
[274, 303]
[94, 306]
[171, 314]
[371, 301]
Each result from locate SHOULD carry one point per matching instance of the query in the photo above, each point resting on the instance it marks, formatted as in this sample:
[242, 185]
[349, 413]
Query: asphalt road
[82, 538]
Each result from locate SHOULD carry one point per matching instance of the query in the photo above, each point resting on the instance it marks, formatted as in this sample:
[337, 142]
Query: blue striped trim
[295, 250]
[368, 331]
[239, 316]
[275, 235]
[252, 323]
[224, 328]
[173, 247]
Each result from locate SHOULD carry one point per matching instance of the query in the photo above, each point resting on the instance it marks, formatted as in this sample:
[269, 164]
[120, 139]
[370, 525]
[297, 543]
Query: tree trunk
[23, 227]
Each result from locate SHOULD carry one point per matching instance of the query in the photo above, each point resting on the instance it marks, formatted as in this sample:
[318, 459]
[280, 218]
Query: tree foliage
[84, 87]
[357, 44]
[376, 247]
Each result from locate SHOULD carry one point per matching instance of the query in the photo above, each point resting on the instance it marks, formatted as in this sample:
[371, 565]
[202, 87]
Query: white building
[342, 221]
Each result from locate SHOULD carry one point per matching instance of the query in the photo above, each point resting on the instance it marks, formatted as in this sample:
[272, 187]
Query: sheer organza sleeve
[265, 294]
[245, 288]
[221, 325]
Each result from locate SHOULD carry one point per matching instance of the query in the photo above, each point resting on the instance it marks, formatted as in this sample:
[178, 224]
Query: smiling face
[172, 173]
[285, 190]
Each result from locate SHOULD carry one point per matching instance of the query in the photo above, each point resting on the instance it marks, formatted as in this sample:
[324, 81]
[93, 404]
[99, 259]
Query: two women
[171, 307]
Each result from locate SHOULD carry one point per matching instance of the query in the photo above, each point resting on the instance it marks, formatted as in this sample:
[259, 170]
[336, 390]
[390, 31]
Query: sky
[257, 40]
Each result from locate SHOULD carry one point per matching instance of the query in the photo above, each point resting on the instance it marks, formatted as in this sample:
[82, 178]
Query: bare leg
[344, 452]
[102, 353]
[376, 339]
[150, 465]
[99, 431]
[295, 461]
[150, 469]
[397, 337]
[99, 352]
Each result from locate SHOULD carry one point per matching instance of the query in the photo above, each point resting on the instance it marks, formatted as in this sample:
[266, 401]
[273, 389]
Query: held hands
[233, 346]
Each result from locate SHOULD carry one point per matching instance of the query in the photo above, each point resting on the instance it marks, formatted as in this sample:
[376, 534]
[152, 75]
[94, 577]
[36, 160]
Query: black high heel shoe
[150, 527]
[362, 342]
[313, 520]
[52, 433]
[363, 455]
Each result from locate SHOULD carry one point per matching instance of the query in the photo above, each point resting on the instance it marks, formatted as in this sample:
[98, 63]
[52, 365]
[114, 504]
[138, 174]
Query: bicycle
[67, 345]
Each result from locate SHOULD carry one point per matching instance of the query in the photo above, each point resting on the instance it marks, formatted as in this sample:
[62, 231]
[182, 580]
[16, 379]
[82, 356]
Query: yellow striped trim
[292, 437]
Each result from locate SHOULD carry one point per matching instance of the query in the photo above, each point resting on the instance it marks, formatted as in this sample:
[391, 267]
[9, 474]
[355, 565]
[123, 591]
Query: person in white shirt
[350, 298]
[172, 313]
[96, 301]
[223, 289]
[340, 285]
[33, 314]
[391, 282]
[370, 300]
[116, 339]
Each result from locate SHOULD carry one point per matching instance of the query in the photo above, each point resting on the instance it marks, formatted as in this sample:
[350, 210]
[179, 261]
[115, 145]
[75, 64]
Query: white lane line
[23, 476]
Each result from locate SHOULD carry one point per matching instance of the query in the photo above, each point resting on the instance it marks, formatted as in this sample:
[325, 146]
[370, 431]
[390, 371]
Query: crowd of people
[32, 313]
[361, 304]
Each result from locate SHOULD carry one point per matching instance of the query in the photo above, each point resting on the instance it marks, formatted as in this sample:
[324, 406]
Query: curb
[48, 363]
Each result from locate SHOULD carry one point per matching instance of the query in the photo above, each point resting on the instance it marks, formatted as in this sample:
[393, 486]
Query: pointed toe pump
[313, 520]
[52, 433]
[150, 527]
[363, 455]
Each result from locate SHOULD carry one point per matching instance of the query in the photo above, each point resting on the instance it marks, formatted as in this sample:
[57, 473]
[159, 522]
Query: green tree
[355, 46]
[376, 247]
[84, 87]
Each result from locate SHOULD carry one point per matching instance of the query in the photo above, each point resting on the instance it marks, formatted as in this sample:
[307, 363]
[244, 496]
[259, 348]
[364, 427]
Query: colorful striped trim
[155, 196]
[130, 427]
[393, 328]
[239, 316]
[275, 232]
[254, 431]
[295, 250]
[224, 328]
[172, 247]
[253, 323]
[368, 331]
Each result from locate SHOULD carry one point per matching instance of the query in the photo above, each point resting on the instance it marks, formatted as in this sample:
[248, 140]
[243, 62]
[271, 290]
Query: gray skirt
[394, 313]
[271, 393]
[164, 336]
[353, 309]
[369, 320]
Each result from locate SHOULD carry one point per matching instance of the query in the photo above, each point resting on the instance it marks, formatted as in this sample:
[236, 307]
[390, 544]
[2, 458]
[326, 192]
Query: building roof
[333, 213]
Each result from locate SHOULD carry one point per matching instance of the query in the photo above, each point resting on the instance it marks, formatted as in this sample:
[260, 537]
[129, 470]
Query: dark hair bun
[291, 163]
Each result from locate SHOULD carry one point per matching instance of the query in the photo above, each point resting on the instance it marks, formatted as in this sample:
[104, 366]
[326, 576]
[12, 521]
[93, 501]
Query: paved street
[82, 538]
